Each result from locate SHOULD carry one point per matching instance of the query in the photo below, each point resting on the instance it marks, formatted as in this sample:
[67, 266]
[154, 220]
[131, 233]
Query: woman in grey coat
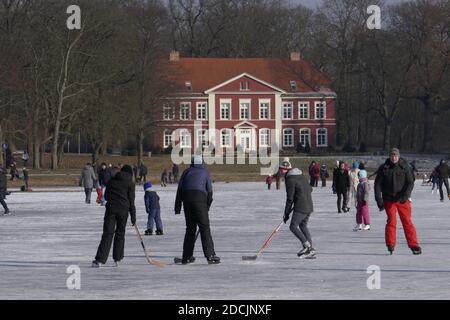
[87, 180]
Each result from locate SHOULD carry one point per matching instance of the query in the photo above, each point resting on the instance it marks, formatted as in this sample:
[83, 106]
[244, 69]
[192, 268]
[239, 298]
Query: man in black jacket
[299, 200]
[195, 194]
[119, 194]
[393, 186]
[341, 185]
[443, 172]
[3, 189]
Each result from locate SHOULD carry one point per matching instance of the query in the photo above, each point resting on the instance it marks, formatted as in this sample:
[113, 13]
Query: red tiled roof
[206, 73]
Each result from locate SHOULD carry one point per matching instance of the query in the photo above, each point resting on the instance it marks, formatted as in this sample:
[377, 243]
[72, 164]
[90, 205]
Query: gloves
[380, 205]
[285, 218]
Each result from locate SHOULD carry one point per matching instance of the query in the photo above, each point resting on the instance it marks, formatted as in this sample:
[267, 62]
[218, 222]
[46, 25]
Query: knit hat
[126, 168]
[355, 165]
[362, 174]
[147, 186]
[285, 164]
[395, 151]
[197, 159]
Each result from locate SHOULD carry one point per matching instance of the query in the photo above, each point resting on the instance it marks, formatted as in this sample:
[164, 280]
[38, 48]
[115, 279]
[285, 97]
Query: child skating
[362, 205]
[152, 207]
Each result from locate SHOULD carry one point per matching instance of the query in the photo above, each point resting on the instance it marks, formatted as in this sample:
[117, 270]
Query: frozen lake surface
[50, 231]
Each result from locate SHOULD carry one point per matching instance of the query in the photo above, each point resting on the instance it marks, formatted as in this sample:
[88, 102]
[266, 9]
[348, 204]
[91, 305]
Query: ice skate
[416, 250]
[366, 227]
[7, 212]
[213, 259]
[309, 254]
[358, 227]
[116, 263]
[390, 249]
[148, 232]
[96, 264]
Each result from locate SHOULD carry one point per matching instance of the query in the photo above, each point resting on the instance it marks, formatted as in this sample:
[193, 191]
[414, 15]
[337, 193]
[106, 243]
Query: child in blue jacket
[152, 207]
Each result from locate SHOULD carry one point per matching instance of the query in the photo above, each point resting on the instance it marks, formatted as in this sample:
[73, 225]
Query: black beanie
[126, 168]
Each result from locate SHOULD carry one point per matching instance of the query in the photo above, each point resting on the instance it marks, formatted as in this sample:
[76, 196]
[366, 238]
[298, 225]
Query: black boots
[390, 249]
[416, 250]
[213, 259]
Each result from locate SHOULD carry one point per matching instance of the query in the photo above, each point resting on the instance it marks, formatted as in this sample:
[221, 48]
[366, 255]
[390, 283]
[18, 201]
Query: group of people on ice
[393, 187]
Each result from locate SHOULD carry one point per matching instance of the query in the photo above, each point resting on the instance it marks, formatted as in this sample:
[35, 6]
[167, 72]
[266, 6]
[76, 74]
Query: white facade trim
[248, 76]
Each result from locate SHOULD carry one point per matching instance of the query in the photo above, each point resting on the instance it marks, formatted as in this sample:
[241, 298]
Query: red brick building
[247, 103]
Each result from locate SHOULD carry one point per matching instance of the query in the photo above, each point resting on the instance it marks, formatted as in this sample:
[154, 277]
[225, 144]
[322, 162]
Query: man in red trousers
[393, 186]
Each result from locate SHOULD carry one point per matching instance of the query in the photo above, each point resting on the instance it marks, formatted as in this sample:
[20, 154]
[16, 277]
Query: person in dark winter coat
[175, 172]
[164, 178]
[443, 172]
[104, 175]
[311, 173]
[153, 209]
[143, 171]
[3, 189]
[14, 172]
[87, 180]
[434, 179]
[26, 178]
[299, 201]
[135, 174]
[341, 185]
[324, 175]
[195, 193]
[120, 196]
[393, 186]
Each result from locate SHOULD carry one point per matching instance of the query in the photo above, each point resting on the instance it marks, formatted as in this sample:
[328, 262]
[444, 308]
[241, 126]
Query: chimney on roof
[295, 56]
[174, 56]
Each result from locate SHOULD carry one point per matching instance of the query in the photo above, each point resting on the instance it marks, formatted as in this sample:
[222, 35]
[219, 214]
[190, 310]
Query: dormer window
[188, 85]
[245, 86]
[293, 85]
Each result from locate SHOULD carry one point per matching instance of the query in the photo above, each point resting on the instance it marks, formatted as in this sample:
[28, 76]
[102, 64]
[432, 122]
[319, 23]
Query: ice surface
[50, 231]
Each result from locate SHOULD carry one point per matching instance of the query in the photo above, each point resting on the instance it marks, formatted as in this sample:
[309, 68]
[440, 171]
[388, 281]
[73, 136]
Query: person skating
[3, 190]
[434, 180]
[269, 181]
[354, 181]
[316, 174]
[120, 195]
[175, 172]
[298, 201]
[26, 178]
[14, 172]
[104, 175]
[443, 172]
[362, 202]
[195, 194]
[324, 175]
[393, 186]
[311, 173]
[164, 178]
[87, 179]
[143, 171]
[341, 185]
[153, 209]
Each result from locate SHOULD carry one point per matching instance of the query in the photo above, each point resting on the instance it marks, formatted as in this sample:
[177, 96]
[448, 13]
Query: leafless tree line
[392, 84]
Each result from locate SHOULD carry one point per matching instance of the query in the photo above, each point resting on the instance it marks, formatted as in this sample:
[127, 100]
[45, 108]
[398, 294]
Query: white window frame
[249, 102]
[182, 105]
[261, 131]
[202, 105]
[167, 107]
[300, 136]
[183, 143]
[307, 106]
[167, 133]
[316, 107]
[292, 137]
[229, 134]
[291, 107]
[203, 134]
[260, 103]
[317, 138]
[222, 102]
[244, 86]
